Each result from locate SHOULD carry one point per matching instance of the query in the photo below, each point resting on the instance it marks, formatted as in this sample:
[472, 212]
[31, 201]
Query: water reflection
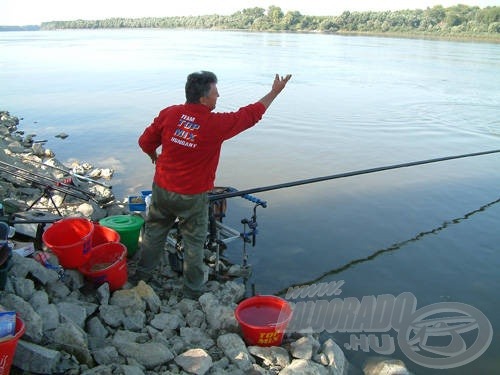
[394, 247]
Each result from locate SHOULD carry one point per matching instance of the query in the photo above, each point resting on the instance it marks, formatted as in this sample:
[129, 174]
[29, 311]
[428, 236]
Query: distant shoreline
[403, 35]
[457, 23]
[20, 28]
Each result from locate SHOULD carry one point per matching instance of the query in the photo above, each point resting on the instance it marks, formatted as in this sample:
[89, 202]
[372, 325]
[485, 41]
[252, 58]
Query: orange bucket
[107, 264]
[104, 234]
[263, 319]
[70, 239]
[8, 347]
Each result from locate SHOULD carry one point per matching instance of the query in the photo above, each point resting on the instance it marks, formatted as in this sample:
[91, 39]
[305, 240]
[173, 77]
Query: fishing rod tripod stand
[49, 185]
[47, 192]
[219, 235]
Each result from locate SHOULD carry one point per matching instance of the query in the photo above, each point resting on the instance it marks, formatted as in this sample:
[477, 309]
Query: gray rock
[99, 370]
[386, 366]
[103, 294]
[134, 320]
[16, 147]
[194, 361]
[232, 292]
[24, 288]
[177, 344]
[220, 365]
[73, 312]
[272, 356]
[32, 321]
[167, 321]
[86, 210]
[185, 306]
[148, 354]
[111, 315]
[73, 279]
[50, 316]
[106, 356]
[57, 290]
[62, 135]
[39, 299]
[72, 339]
[148, 295]
[304, 347]
[22, 266]
[195, 319]
[196, 337]
[234, 348]
[128, 299]
[95, 328]
[218, 316]
[121, 336]
[304, 366]
[131, 370]
[35, 358]
[336, 360]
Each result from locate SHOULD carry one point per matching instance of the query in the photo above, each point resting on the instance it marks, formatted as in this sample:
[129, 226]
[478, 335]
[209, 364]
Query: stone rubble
[144, 328]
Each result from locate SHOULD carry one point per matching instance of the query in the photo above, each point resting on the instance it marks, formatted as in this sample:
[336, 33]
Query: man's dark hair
[198, 84]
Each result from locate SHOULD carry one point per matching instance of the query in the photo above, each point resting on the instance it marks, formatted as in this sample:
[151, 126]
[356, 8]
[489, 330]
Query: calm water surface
[353, 103]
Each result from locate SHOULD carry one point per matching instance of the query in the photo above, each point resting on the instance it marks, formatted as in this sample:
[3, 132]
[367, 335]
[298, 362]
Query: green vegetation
[456, 21]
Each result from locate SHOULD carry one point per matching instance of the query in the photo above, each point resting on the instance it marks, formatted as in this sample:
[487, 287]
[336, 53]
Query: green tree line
[456, 20]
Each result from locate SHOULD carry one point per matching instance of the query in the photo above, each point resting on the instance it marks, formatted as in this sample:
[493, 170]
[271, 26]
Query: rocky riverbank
[143, 328]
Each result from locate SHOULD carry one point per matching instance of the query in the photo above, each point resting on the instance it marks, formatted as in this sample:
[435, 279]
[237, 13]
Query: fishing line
[394, 247]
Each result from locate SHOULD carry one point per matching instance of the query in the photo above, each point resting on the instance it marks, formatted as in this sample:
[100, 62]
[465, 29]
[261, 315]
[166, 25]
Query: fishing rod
[47, 189]
[71, 173]
[28, 178]
[239, 193]
[29, 175]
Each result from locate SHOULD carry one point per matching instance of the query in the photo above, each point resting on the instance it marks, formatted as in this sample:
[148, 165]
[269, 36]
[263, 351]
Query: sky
[33, 12]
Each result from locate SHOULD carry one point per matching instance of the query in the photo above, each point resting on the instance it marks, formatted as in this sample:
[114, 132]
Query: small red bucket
[104, 234]
[70, 239]
[107, 263]
[263, 319]
[8, 348]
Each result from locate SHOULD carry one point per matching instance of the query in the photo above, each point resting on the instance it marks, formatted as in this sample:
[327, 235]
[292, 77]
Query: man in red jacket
[190, 136]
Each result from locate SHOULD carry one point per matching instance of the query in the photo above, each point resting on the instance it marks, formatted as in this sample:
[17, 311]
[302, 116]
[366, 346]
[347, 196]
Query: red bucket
[104, 234]
[8, 347]
[263, 319]
[107, 263]
[70, 239]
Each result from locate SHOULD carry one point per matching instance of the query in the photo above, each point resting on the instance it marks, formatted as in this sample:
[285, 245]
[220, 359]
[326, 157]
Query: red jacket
[191, 136]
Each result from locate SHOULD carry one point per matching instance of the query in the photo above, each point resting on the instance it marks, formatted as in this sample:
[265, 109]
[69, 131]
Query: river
[354, 103]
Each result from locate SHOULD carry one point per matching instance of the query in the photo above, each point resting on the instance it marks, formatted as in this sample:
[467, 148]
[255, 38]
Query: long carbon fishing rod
[70, 173]
[239, 193]
[39, 178]
[27, 177]
[46, 181]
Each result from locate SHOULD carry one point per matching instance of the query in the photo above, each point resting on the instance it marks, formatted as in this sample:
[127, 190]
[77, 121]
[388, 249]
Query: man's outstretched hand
[280, 82]
[278, 85]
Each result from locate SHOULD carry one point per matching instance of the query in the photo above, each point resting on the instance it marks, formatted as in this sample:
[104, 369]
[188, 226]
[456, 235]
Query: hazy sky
[33, 12]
